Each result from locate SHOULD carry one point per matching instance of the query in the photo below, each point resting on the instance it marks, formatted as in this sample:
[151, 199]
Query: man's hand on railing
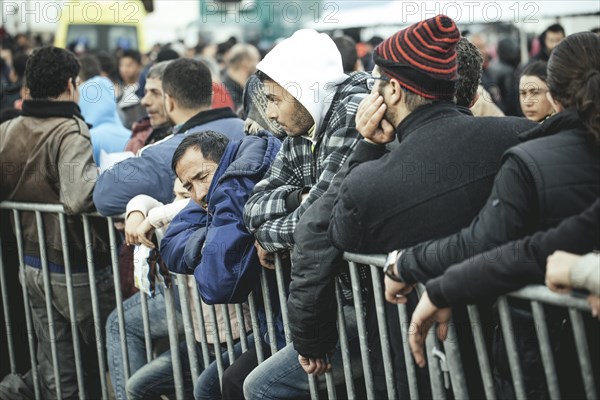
[423, 317]
[395, 290]
[138, 230]
[558, 271]
[133, 221]
[315, 366]
[266, 259]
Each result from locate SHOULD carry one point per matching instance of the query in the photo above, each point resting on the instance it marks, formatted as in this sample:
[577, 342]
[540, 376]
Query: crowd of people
[218, 164]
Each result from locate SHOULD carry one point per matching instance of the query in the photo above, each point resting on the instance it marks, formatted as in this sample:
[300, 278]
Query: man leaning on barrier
[187, 98]
[47, 158]
[441, 172]
[314, 101]
[208, 238]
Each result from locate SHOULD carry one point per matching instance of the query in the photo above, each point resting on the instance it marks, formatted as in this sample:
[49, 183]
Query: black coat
[553, 175]
[433, 184]
[315, 262]
[515, 264]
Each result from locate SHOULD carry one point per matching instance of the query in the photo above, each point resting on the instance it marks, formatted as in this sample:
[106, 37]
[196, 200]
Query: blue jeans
[134, 334]
[208, 386]
[157, 378]
[282, 377]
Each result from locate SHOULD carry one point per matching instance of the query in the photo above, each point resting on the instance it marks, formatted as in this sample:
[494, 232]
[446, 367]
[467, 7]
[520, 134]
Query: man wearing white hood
[312, 99]
[315, 103]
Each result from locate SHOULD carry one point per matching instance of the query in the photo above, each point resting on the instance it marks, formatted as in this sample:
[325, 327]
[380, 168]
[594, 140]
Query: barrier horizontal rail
[220, 345]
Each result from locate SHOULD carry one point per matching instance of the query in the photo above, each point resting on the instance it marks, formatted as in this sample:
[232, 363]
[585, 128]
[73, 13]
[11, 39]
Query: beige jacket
[46, 157]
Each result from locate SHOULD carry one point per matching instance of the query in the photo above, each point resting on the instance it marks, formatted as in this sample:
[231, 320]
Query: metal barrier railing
[444, 358]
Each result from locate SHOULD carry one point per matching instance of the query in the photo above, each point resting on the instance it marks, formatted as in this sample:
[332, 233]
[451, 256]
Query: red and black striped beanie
[422, 58]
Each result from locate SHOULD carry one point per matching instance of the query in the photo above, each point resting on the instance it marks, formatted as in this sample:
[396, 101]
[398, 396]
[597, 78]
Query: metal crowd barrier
[443, 359]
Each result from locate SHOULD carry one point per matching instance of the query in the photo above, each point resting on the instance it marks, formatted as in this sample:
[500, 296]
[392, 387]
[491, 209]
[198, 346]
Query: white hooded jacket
[312, 81]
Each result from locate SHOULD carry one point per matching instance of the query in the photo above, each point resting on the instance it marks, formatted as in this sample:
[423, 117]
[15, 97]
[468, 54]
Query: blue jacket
[99, 108]
[151, 173]
[216, 246]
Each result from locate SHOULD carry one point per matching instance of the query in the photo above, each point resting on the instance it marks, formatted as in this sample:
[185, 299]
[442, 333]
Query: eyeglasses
[371, 81]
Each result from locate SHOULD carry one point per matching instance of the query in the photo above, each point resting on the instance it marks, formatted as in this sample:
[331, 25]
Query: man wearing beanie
[437, 177]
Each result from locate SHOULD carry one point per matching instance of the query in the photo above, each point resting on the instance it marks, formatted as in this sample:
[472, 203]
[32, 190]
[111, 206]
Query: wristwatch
[390, 262]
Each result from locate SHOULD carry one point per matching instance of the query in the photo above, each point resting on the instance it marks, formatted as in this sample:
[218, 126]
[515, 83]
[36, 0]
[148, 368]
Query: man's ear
[169, 103]
[395, 93]
[71, 88]
[555, 104]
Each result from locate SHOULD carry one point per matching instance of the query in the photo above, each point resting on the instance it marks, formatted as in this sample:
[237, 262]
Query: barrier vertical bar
[511, 348]
[457, 374]
[188, 327]
[28, 318]
[362, 330]
[281, 291]
[260, 354]
[146, 323]
[71, 303]
[583, 353]
[200, 316]
[481, 350]
[118, 296]
[228, 333]
[217, 343]
[346, 361]
[8, 324]
[173, 340]
[241, 321]
[408, 360]
[268, 311]
[98, 326]
[545, 350]
[48, 295]
[383, 332]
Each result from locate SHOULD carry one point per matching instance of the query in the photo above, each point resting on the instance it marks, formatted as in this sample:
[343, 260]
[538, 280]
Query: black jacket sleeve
[508, 215]
[346, 229]
[312, 310]
[515, 264]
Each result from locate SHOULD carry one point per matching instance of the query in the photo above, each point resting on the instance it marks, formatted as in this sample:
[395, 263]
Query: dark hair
[108, 65]
[574, 77]
[133, 54]
[166, 55]
[189, 83]
[470, 64]
[90, 67]
[19, 64]
[538, 68]
[49, 70]
[211, 144]
[347, 47]
[556, 28]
